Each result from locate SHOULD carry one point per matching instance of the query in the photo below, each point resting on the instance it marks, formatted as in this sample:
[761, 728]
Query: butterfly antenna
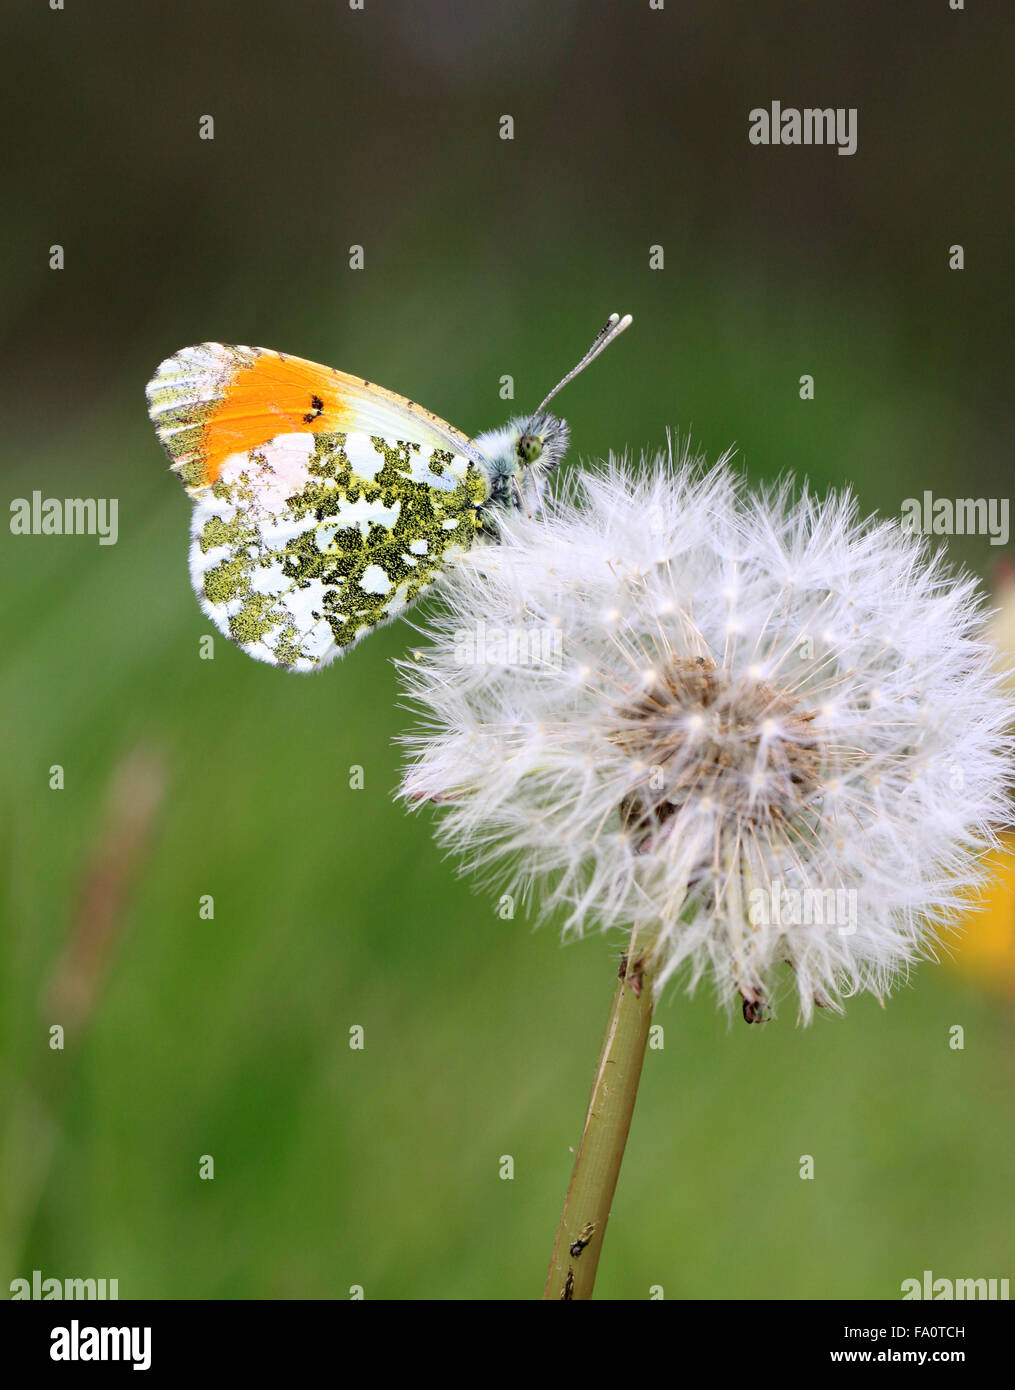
[611, 329]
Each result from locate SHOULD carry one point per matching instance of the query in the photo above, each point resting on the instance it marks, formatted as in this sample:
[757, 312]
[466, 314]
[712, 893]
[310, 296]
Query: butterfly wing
[323, 505]
[214, 400]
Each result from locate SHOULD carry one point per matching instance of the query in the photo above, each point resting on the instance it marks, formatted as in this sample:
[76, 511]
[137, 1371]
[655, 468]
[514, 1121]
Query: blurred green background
[186, 777]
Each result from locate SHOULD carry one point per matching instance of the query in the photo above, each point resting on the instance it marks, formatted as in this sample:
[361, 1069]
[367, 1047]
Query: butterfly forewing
[214, 399]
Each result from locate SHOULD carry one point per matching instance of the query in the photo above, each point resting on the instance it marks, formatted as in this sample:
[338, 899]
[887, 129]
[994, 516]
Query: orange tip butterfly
[325, 505]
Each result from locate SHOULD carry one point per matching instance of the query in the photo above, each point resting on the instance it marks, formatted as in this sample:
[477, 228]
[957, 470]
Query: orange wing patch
[273, 395]
[213, 400]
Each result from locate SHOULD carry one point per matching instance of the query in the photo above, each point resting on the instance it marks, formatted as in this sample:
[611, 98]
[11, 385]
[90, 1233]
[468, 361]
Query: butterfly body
[325, 505]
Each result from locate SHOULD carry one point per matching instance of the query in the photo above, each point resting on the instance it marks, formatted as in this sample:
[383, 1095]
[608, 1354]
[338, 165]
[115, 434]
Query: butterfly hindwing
[303, 545]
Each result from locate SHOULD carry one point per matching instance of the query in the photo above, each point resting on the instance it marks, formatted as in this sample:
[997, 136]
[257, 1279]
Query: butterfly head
[522, 455]
[541, 442]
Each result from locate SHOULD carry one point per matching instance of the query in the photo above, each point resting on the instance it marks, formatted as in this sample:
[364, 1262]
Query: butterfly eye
[530, 446]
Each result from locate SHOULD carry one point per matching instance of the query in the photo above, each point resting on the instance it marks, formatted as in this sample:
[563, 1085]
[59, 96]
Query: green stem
[597, 1167]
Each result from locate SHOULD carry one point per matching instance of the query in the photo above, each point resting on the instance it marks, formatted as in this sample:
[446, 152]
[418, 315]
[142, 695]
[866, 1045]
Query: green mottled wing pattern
[307, 543]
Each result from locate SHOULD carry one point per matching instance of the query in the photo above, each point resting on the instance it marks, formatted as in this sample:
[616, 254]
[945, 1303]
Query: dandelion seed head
[760, 703]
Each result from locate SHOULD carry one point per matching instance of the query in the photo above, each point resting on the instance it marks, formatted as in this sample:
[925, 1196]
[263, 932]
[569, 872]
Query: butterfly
[324, 505]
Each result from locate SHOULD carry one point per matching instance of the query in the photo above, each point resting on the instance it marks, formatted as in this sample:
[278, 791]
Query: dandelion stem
[596, 1169]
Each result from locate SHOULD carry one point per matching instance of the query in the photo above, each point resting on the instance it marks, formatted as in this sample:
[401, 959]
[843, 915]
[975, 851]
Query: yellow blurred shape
[986, 950]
